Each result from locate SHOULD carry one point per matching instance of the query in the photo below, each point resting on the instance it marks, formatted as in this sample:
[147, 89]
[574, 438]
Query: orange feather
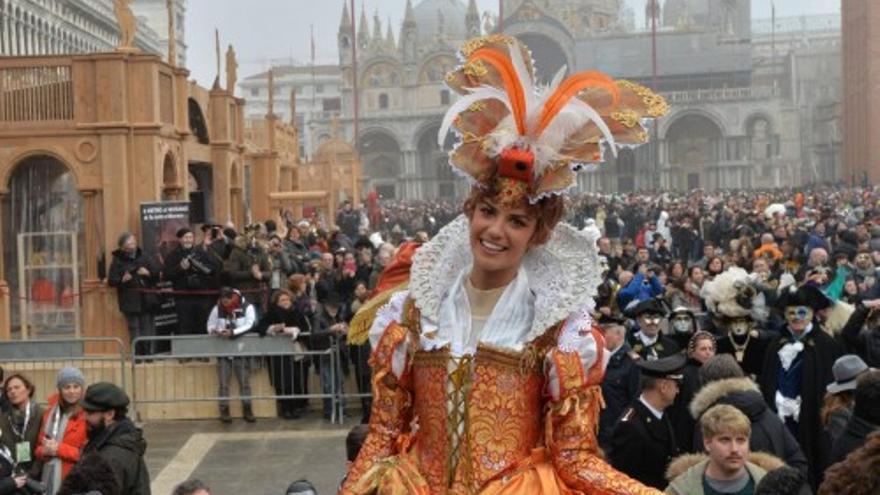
[512, 84]
[569, 89]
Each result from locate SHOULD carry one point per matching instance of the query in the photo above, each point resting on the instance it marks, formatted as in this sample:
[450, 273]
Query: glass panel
[43, 198]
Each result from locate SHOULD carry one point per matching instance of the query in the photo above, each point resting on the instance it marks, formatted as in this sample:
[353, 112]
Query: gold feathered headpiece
[531, 139]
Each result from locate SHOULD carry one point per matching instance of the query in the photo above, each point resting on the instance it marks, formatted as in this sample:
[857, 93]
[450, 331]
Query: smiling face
[72, 393]
[500, 236]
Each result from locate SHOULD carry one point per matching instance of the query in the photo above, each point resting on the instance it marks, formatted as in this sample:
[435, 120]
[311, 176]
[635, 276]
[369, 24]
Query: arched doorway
[44, 244]
[548, 55]
[381, 155]
[432, 163]
[694, 152]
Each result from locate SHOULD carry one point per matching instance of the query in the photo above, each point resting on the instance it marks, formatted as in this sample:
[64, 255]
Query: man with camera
[133, 275]
[232, 317]
[193, 269]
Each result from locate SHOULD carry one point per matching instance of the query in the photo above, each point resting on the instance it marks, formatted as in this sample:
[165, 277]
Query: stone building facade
[53, 27]
[861, 93]
[745, 106]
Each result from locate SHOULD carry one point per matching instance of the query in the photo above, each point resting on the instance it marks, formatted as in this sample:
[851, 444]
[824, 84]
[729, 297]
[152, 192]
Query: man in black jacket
[865, 418]
[643, 442]
[131, 272]
[115, 438]
[621, 384]
[197, 269]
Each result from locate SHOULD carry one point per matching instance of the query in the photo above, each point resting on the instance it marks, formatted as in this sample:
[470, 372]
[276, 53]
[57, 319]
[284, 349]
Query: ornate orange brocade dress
[489, 393]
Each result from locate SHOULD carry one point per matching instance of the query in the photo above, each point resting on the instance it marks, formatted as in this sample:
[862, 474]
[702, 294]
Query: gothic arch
[667, 122]
[750, 121]
[436, 66]
[381, 72]
[380, 152]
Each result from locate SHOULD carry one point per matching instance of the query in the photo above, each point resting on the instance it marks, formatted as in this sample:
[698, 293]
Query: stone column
[91, 220]
[5, 297]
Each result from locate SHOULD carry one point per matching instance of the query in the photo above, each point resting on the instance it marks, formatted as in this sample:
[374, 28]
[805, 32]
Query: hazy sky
[267, 31]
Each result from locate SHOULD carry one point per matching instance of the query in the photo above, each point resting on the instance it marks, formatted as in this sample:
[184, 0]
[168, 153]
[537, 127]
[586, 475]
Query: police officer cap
[648, 306]
[669, 367]
[104, 396]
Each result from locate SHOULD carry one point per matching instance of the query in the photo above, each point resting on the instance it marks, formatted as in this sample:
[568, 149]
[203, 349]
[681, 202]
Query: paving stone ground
[247, 459]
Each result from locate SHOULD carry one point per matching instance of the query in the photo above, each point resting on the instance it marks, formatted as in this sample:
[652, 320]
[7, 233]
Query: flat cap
[104, 396]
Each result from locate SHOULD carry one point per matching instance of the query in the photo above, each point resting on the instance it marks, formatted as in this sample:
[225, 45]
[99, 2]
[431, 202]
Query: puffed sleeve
[575, 368]
[392, 395]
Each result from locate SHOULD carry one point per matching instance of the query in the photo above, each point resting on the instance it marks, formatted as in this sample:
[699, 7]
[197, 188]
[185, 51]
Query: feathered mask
[530, 140]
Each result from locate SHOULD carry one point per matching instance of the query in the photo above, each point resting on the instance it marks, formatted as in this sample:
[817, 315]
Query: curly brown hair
[548, 210]
[858, 473]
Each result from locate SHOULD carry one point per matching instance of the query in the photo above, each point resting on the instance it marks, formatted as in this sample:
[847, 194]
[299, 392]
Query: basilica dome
[434, 16]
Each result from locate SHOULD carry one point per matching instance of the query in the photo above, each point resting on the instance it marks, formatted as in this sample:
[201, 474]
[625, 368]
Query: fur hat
[731, 294]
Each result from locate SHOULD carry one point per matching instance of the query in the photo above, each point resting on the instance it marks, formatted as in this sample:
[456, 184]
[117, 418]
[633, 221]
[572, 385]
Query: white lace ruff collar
[563, 274]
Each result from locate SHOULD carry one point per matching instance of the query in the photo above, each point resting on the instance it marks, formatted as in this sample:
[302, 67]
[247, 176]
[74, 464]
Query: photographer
[232, 317]
[643, 286]
[131, 272]
[248, 268]
[192, 268]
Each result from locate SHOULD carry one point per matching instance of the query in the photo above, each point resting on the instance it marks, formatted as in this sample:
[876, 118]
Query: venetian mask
[739, 326]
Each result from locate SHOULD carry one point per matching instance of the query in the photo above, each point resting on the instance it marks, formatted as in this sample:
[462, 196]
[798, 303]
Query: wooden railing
[36, 93]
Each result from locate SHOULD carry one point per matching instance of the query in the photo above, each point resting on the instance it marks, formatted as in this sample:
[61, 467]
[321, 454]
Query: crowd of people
[769, 296]
[81, 442]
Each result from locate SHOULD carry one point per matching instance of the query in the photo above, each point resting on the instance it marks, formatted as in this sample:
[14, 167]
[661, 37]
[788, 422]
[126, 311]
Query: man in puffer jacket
[729, 466]
[724, 384]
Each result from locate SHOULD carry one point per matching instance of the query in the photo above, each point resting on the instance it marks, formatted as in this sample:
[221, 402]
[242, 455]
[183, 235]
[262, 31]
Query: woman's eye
[518, 223]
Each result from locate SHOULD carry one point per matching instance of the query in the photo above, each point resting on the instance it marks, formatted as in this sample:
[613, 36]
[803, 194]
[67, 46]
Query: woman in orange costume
[487, 367]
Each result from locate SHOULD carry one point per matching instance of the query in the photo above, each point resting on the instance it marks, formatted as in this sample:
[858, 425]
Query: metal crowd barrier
[39, 360]
[278, 351]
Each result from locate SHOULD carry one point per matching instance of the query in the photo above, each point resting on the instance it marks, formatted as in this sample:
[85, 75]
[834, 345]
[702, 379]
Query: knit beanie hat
[70, 374]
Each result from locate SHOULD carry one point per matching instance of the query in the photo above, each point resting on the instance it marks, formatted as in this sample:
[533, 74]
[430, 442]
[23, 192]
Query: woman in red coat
[63, 429]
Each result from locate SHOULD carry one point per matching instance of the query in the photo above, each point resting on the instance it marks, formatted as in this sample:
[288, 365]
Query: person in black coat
[865, 418]
[699, 350]
[621, 384]
[283, 318]
[130, 272]
[797, 369]
[193, 268]
[862, 332]
[646, 339]
[643, 442]
[330, 322]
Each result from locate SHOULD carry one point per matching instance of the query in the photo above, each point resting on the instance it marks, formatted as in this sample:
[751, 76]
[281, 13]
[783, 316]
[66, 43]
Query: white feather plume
[476, 94]
[574, 115]
[528, 85]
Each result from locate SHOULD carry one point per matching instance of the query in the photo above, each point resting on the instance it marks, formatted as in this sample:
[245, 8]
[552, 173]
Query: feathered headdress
[531, 139]
[732, 294]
